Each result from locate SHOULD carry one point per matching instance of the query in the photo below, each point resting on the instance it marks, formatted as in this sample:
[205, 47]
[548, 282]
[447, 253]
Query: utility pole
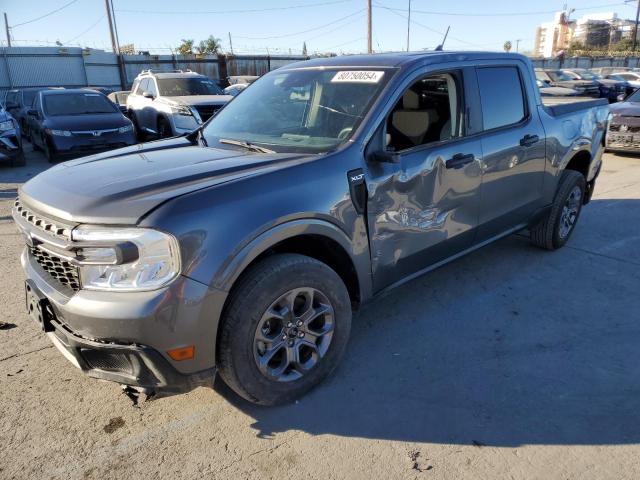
[369, 48]
[115, 26]
[518, 44]
[6, 27]
[230, 43]
[409, 23]
[635, 28]
[114, 45]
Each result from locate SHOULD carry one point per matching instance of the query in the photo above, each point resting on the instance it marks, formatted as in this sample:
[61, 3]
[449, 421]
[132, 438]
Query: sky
[282, 26]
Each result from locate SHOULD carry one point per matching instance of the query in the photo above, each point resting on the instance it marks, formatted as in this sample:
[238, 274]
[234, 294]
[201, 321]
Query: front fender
[240, 259]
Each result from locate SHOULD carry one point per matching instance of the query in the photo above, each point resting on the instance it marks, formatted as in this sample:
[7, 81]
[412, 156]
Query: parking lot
[511, 362]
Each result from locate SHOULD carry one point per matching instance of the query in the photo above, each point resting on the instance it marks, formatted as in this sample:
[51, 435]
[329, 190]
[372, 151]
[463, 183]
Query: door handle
[529, 140]
[459, 160]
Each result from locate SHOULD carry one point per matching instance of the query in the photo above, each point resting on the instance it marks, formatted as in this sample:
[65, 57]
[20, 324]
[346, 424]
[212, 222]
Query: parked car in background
[18, 101]
[632, 78]
[236, 89]
[623, 133]
[102, 90]
[546, 90]
[610, 88]
[164, 104]
[243, 247]
[557, 78]
[72, 123]
[120, 99]
[10, 140]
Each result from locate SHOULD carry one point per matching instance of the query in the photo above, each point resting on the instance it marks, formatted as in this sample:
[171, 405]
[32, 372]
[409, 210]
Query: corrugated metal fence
[587, 62]
[78, 67]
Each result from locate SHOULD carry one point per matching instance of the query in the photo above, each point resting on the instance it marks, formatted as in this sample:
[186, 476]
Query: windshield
[559, 76]
[299, 111]
[180, 87]
[587, 75]
[77, 104]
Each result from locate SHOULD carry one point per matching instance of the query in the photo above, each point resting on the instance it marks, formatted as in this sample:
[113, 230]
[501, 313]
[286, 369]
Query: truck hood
[194, 100]
[121, 186]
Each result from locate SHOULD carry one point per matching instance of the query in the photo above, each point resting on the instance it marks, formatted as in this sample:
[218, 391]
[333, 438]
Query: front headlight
[8, 125]
[181, 110]
[59, 133]
[126, 259]
[125, 129]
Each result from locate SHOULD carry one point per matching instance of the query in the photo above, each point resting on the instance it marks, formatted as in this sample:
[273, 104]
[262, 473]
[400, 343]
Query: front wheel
[284, 330]
[49, 152]
[163, 128]
[553, 231]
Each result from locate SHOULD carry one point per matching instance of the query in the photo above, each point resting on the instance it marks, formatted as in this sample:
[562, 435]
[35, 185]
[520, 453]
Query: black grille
[109, 361]
[207, 111]
[61, 270]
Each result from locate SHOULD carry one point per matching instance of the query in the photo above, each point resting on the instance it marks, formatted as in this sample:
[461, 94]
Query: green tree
[186, 47]
[210, 45]
[304, 48]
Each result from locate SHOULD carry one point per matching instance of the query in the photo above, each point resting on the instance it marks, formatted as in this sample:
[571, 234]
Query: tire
[140, 134]
[240, 349]
[48, 152]
[19, 161]
[553, 231]
[163, 128]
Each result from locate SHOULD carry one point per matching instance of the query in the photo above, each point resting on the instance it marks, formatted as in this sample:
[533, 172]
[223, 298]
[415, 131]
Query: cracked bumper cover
[124, 336]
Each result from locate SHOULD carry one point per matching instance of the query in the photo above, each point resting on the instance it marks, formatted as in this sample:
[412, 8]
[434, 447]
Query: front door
[423, 192]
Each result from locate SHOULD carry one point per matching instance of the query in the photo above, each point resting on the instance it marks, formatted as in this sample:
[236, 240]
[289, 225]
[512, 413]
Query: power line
[496, 14]
[220, 12]
[303, 31]
[88, 29]
[45, 15]
[392, 10]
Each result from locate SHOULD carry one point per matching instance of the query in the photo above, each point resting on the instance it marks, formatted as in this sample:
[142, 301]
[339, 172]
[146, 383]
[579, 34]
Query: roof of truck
[400, 59]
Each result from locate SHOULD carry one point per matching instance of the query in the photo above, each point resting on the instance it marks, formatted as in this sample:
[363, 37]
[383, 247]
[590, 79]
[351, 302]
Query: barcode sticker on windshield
[359, 76]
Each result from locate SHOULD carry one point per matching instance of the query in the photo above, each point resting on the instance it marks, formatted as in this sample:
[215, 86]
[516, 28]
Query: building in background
[553, 37]
[593, 32]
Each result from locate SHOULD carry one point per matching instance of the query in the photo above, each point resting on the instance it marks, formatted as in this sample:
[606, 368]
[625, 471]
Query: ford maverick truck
[243, 247]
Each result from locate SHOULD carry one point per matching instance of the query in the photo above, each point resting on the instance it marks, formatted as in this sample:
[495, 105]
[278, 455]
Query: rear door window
[501, 96]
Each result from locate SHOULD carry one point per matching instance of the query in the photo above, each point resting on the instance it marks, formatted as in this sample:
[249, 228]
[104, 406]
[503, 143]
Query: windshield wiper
[249, 146]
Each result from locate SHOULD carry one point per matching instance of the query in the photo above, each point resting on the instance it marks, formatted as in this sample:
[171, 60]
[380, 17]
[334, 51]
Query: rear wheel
[284, 330]
[556, 228]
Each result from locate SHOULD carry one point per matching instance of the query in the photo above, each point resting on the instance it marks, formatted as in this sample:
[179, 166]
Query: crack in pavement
[25, 353]
[604, 255]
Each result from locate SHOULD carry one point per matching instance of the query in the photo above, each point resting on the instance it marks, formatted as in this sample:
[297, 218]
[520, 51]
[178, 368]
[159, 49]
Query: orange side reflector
[182, 353]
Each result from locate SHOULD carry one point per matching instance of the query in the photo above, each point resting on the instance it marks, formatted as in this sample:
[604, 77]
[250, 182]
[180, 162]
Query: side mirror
[32, 112]
[621, 97]
[384, 156]
[150, 95]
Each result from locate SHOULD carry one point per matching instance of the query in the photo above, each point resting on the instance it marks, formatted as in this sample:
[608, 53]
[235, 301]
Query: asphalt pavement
[511, 362]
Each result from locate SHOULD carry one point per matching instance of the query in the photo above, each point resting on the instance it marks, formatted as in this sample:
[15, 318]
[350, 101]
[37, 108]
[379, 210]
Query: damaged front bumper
[123, 337]
[133, 365]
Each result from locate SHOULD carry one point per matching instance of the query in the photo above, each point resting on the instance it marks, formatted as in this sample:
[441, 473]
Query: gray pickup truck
[244, 247]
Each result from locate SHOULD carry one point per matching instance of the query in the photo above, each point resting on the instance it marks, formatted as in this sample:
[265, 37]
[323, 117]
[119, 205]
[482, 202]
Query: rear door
[423, 206]
[513, 149]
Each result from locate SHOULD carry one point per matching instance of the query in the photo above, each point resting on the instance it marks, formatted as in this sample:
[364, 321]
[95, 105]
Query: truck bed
[558, 106]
